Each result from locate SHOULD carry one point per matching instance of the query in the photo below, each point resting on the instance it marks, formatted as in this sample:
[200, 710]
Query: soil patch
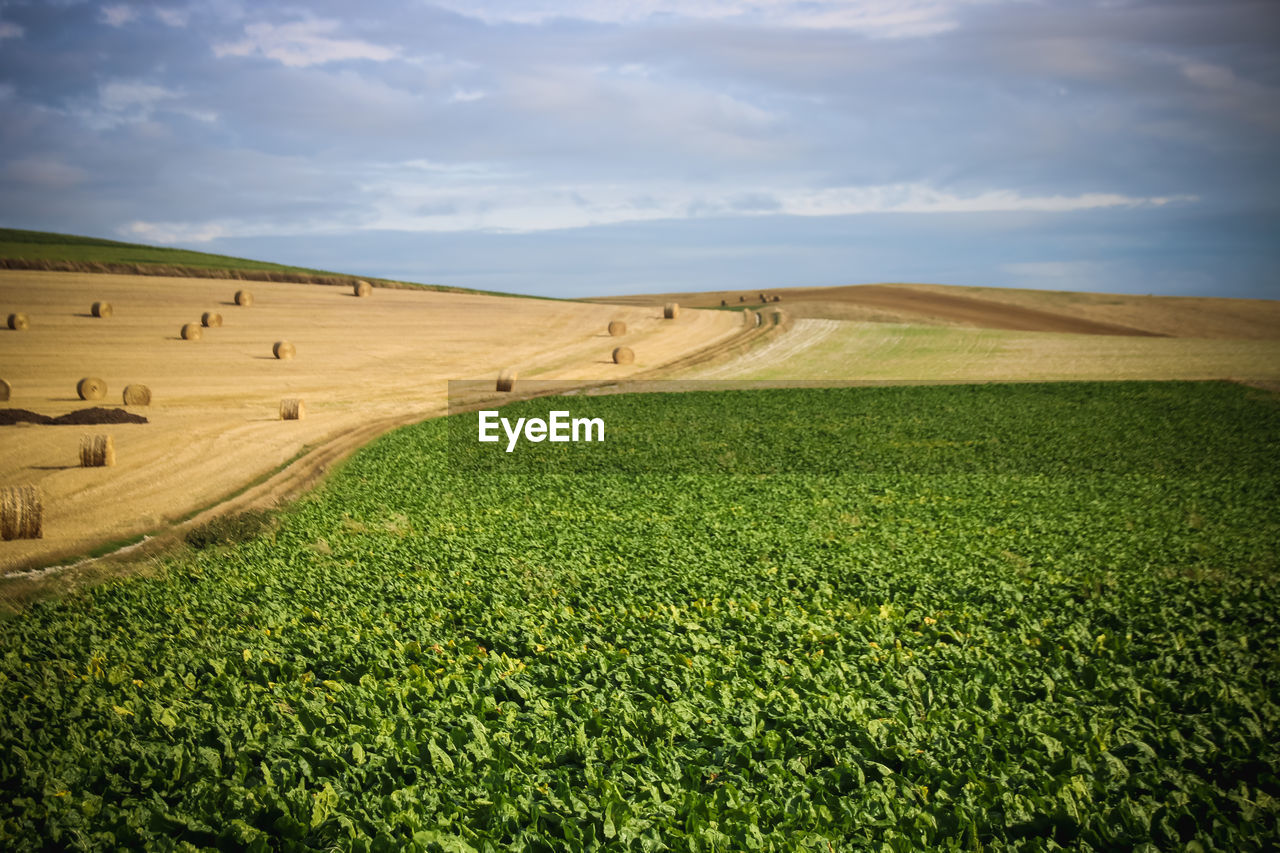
[22, 416]
[82, 417]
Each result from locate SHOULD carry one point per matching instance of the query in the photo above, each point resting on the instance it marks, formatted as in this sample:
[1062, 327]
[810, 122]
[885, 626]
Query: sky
[576, 148]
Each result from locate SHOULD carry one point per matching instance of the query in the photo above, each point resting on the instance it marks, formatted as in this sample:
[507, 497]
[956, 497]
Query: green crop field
[1004, 617]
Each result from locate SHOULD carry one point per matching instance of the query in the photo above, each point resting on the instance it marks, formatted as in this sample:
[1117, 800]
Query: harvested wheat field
[362, 365]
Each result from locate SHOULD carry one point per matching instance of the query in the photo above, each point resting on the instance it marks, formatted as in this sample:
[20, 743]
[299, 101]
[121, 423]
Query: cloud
[121, 96]
[462, 96]
[117, 15]
[883, 18]
[124, 102]
[532, 121]
[300, 44]
[176, 18]
[918, 198]
[606, 109]
[519, 203]
[426, 197]
[170, 233]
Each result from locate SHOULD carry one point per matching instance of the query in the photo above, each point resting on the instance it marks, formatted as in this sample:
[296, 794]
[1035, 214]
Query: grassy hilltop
[42, 250]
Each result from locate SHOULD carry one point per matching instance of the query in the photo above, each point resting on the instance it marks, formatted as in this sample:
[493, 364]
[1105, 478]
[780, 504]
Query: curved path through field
[362, 366]
[803, 335]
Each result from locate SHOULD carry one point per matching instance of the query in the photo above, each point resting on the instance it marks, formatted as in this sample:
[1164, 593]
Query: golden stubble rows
[215, 415]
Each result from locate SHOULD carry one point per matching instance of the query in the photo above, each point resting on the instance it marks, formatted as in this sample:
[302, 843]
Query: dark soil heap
[83, 417]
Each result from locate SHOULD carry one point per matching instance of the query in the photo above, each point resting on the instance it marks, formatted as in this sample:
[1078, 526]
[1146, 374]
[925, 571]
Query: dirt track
[362, 366]
[803, 335]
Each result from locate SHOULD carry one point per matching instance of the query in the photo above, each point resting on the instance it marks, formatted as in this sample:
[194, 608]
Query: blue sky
[573, 148]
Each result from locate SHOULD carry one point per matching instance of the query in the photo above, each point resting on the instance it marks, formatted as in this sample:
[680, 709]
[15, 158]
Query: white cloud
[176, 18]
[883, 18]
[123, 102]
[432, 197]
[124, 95]
[9, 30]
[168, 233]
[118, 15]
[303, 43]
[920, 198]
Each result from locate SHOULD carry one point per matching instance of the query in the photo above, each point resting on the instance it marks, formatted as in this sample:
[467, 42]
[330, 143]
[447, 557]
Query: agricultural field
[1012, 309]
[982, 617]
[362, 365]
[845, 350]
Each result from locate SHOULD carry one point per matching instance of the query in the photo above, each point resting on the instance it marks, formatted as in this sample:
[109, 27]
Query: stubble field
[362, 366]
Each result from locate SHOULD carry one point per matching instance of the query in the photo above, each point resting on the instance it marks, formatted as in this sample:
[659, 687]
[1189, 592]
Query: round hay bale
[507, 379]
[617, 328]
[101, 309]
[764, 298]
[670, 311]
[244, 298]
[5, 390]
[283, 350]
[91, 388]
[210, 318]
[137, 395]
[19, 322]
[363, 288]
[742, 299]
[777, 299]
[623, 355]
[192, 332]
[724, 303]
[21, 513]
[97, 451]
[750, 318]
[292, 409]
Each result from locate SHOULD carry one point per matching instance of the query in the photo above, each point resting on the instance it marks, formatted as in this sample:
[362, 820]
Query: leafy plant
[1030, 617]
